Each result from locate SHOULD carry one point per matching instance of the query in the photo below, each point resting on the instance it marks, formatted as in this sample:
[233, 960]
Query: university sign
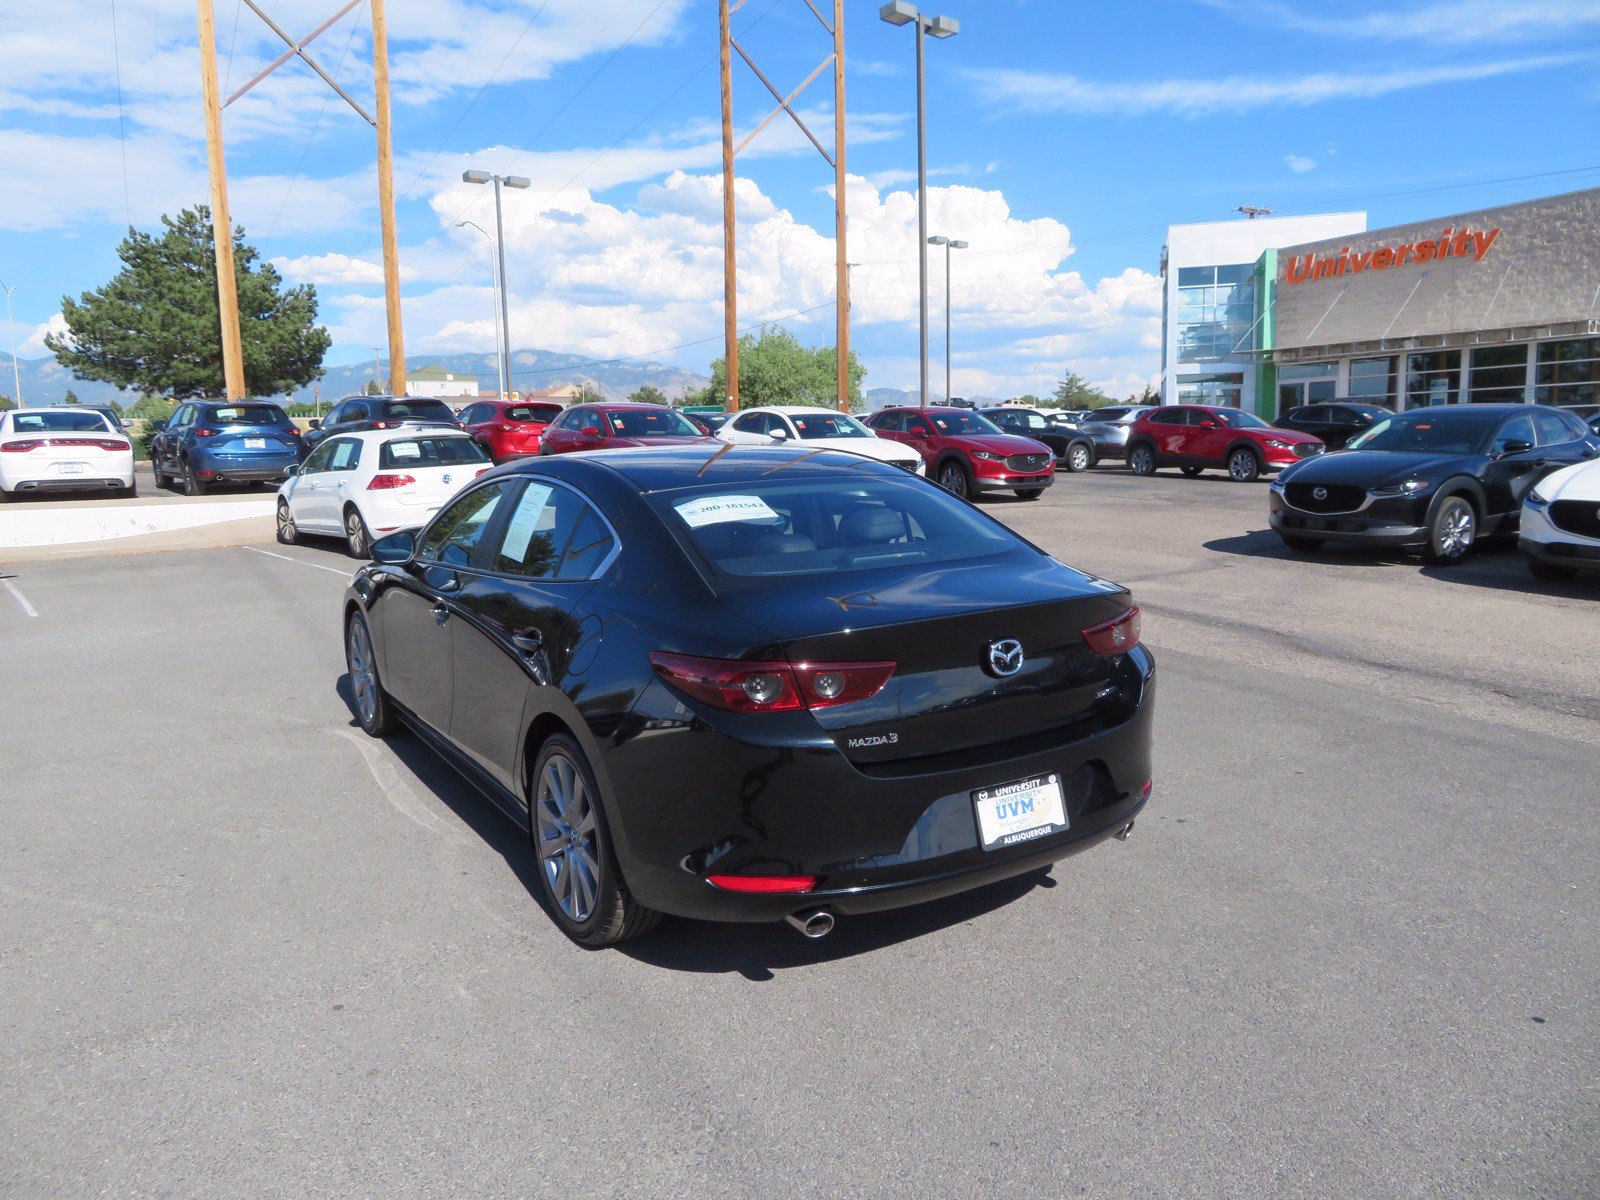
[1450, 243]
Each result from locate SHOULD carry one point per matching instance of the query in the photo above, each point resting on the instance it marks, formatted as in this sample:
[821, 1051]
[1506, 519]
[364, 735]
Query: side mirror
[314, 424]
[396, 548]
[922, 433]
[591, 431]
[779, 435]
[291, 469]
[1516, 446]
[157, 425]
[1206, 423]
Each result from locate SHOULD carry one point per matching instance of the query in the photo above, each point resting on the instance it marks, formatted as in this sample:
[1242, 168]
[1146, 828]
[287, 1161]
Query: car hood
[1377, 468]
[1005, 444]
[1578, 482]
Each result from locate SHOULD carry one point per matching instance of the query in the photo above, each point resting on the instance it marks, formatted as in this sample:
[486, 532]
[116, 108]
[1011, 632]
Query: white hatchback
[66, 449]
[365, 485]
[1560, 527]
[817, 429]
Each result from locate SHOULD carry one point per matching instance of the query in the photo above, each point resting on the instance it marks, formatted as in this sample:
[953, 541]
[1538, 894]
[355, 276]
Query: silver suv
[1108, 428]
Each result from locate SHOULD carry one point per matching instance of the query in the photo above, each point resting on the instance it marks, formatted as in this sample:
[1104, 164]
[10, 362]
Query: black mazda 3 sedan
[1435, 479]
[753, 683]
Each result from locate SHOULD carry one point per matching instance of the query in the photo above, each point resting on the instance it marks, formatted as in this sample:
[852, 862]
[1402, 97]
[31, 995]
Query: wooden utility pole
[221, 222]
[391, 252]
[730, 284]
[841, 266]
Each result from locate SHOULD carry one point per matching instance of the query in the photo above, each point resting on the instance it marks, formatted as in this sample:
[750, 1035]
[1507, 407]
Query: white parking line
[302, 562]
[21, 599]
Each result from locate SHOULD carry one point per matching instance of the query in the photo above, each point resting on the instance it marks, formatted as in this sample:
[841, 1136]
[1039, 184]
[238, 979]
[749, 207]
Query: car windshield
[430, 452]
[650, 422]
[537, 414]
[1431, 431]
[1234, 418]
[247, 414]
[829, 425]
[799, 528]
[418, 410]
[961, 424]
[57, 422]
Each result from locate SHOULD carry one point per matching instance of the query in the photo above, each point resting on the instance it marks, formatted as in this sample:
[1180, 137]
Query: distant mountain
[44, 381]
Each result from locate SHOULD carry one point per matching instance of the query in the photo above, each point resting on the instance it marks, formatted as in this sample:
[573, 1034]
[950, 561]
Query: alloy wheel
[1078, 458]
[355, 532]
[564, 819]
[953, 479]
[1242, 466]
[1457, 529]
[363, 674]
[286, 530]
[1142, 461]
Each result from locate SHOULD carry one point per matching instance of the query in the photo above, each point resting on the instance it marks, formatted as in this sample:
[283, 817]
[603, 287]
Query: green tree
[1150, 395]
[775, 369]
[7, 403]
[155, 327]
[1074, 391]
[71, 397]
[372, 388]
[648, 393]
[589, 394]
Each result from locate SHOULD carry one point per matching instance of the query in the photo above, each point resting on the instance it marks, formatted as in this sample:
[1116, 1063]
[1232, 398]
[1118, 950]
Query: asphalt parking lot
[1351, 949]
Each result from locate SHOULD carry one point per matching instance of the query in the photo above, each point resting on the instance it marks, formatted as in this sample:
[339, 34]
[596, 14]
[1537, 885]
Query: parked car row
[66, 449]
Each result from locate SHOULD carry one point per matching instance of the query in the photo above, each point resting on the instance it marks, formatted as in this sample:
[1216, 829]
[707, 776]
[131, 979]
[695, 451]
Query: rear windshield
[58, 422]
[829, 425]
[417, 410]
[247, 414]
[1110, 414]
[773, 528]
[649, 422]
[430, 452]
[541, 414]
[961, 424]
[1433, 431]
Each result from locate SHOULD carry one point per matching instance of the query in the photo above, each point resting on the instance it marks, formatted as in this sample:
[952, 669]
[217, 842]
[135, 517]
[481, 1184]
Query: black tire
[1302, 545]
[1142, 460]
[1080, 457]
[579, 878]
[1244, 465]
[954, 478]
[1551, 572]
[1191, 472]
[374, 713]
[155, 469]
[1452, 532]
[1029, 493]
[5, 496]
[288, 534]
[193, 485]
[357, 539]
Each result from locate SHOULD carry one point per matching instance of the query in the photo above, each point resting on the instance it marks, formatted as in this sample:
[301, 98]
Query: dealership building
[1497, 305]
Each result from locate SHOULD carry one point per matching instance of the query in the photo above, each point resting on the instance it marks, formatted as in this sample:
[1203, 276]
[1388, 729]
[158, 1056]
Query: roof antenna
[1251, 212]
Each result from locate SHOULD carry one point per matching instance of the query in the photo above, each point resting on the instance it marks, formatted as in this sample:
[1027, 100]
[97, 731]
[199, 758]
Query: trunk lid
[251, 439]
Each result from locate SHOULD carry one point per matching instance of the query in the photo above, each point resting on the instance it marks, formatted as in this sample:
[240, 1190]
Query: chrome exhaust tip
[814, 923]
[1125, 832]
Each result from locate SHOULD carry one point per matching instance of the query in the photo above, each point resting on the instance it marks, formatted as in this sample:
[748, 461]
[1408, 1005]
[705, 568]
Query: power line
[227, 75]
[122, 126]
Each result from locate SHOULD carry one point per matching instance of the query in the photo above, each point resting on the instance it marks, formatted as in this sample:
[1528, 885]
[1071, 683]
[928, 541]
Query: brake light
[740, 686]
[386, 424]
[207, 432]
[763, 883]
[22, 447]
[1116, 636]
[383, 483]
[483, 471]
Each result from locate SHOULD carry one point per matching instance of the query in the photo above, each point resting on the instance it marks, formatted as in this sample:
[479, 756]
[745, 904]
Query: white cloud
[32, 346]
[1044, 92]
[335, 270]
[1458, 22]
[1299, 163]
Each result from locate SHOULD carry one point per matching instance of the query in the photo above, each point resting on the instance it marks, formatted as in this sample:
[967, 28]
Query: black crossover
[1435, 479]
[1335, 423]
[755, 683]
[357, 414]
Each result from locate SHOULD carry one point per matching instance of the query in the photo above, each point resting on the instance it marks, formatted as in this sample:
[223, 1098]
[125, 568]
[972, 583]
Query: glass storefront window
[1433, 377]
[1225, 390]
[1372, 379]
[1567, 373]
[1215, 311]
[1499, 374]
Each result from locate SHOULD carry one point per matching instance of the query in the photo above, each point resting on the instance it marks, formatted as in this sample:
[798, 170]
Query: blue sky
[1064, 136]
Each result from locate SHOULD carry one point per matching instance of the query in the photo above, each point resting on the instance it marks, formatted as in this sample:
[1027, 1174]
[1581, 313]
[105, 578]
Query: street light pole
[949, 244]
[11, 323]
[900, 12]
[494, 283]
[510, 181]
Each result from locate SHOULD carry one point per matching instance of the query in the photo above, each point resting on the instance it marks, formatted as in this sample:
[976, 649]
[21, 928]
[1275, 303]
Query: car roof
[942, 408]
[395, 435]
[668, 468]
[815, 410]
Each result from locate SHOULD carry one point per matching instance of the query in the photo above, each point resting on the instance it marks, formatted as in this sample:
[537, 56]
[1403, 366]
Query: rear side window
[889, 422]
[430, 452]
[1553, 429]
[769, 528]
[418, 410]
[553, 533]
[247, 414]
[455, 532]
[1175, 416]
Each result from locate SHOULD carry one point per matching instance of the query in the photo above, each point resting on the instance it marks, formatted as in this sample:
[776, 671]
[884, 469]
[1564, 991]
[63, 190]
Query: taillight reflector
[207, 432]
[763, 883]
[386, 424]
[383, 483]
[740, 686]
[1116, 636]
[22, 447]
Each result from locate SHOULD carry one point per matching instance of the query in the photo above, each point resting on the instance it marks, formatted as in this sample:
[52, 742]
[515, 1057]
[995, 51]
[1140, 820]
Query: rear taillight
[740, 686]
[1116, 636]
[35, 443]
[107, 444]
[22, 447]
[383, 483]
[207, 432]
[483, 471]
[386, 424]
[763, 883]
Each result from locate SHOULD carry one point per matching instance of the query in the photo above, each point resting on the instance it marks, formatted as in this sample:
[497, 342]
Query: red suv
[967, 454]
[608, 426]
[1193, 437]
[508, 428]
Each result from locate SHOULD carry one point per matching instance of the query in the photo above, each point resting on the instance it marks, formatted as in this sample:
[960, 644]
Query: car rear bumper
[70, 483]
[243, 467]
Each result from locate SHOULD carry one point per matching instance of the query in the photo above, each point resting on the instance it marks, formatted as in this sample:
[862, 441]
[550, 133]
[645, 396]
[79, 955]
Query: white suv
[1560, 532]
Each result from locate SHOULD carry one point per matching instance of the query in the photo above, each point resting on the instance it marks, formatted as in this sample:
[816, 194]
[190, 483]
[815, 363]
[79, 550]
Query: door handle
[441, 613]
[528, 641]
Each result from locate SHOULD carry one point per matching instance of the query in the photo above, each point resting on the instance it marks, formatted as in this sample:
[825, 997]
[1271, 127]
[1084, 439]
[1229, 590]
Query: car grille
[909, 466]
[1581, 517]
[1307, 449]
[1028, 462]
[1335, 498]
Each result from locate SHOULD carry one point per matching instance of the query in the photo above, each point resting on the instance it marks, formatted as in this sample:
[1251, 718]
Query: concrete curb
[244, 532]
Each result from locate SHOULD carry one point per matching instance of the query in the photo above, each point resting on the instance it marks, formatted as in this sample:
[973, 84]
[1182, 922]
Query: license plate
[255, 443]
[73, 468]
[1011, 813]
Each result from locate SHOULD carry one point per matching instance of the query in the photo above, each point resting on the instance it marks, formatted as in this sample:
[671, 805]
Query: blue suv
[207, 442]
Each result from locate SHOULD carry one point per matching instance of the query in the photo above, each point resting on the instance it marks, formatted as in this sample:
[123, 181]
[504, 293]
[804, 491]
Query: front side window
[472, 414]
[346, 455]
[455, 532]
[552, 533]
[318, 460]
[650, 422]
[829, 425]
[1235, 418]
[1518, 429]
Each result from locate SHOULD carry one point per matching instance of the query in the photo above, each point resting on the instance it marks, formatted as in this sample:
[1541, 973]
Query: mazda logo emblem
[1005, 656]
[1316, 493]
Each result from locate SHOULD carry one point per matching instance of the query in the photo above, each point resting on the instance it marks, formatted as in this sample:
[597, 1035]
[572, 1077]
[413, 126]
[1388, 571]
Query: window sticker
[720, 510]
[525, 522]
[405, 450]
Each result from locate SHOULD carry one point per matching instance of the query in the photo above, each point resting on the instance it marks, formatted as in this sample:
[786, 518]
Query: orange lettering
[1485, 240]
[1382, 259]
[1298, 271]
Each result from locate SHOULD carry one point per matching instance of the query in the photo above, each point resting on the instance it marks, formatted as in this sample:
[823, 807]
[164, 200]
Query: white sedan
[820, 429]
[67, 449]
[365, 485]
[1560, 527]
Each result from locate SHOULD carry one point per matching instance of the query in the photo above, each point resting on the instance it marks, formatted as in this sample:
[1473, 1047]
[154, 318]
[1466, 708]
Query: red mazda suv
[609, 426]
[1194, 437]
[968, 454]
[508, 428]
